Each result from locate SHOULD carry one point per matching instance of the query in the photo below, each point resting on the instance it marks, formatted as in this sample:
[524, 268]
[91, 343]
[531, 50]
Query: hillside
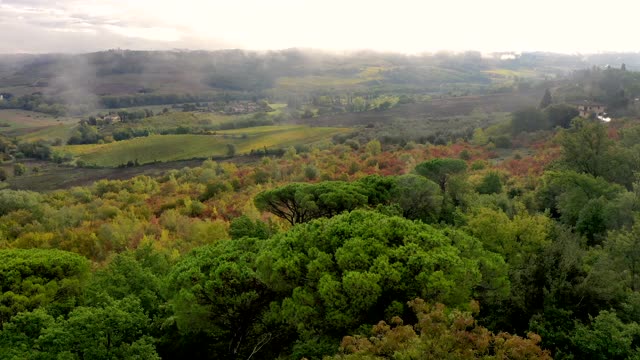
[124, 78]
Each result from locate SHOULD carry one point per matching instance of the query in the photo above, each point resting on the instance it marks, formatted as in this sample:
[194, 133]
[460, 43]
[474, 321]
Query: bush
[491, 184]
[502, 142]
[19, 169]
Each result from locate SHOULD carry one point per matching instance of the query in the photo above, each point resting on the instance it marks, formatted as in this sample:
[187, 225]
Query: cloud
[74, 26]
[400, 25]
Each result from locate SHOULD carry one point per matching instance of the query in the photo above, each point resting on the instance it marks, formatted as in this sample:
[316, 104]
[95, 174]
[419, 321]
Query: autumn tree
[440, 333]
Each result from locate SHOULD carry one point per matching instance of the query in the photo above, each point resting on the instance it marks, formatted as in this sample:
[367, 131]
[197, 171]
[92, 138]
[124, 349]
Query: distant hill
[122, 78]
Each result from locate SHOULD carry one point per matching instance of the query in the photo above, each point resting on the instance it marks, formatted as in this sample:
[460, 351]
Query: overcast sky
[412, 26]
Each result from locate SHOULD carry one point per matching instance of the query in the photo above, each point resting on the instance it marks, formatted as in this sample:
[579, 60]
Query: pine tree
[546, 99]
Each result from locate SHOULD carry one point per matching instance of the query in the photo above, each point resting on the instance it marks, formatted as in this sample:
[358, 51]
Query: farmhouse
[587, 109]
[111, 118]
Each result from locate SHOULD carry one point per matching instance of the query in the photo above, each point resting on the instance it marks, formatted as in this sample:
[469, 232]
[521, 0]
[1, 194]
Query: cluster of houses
[111, 118]
[241, 108]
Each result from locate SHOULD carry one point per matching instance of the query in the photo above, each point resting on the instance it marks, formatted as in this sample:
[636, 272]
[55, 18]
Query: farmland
[14, 120]
[164, 148]
[33, 126]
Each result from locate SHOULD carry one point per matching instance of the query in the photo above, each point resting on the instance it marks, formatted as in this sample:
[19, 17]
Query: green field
[522, 73]
[182, 147]
[22, 119]
[49, 133]
[33, 126]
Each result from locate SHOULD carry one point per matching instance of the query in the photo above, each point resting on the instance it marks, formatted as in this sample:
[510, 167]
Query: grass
[49, 133]
[33, 126]
[164, 148]
[22, 119]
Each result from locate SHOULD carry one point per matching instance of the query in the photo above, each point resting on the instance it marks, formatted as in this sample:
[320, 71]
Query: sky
[408, 26]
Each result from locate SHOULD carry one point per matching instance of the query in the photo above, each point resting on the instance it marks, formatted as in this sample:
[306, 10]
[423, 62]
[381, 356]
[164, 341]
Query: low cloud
[411, 26]
[37, 27]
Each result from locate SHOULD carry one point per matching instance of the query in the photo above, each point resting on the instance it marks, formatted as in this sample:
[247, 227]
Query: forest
[400, 222]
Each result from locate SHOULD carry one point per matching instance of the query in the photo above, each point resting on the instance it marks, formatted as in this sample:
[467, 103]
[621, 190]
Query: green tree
[374, 147]
[528, 120]
[19, 169]
[561, 115]
[591, 205]
[514, 238]
[84, 134]
[115, 329]
[490, 184]
[40, 278]
[419, 198]
[607, 338]
[216, 293]
[335, 274]
[243, 226]
[138, 273]
[479, 137]
[378, 189]
[300, 202]
[546, 99]
[623, 248]
[585, 147]
[441, 170]
[19, 337]
[13, 200]
[231, 150]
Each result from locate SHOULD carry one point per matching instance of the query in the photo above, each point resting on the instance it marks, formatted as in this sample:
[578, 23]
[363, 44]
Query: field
[436, 108]
[22, 119]
[52, 176]
[311, 83]
[49, 133]
[163, 148]
[32, 126]
[422, 120]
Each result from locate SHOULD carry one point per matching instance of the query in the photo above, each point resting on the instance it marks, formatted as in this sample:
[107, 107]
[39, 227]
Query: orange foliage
[440, 333]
